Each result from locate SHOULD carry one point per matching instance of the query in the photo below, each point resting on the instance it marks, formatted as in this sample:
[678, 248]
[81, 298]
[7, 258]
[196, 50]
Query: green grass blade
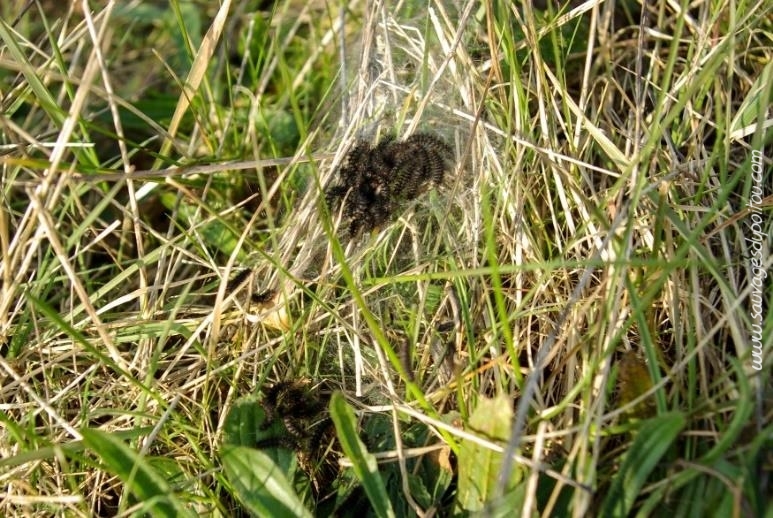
[652, 442]
[62, 326]
[49, 452]
[36, 85]
[365, 467]
[751, 113]
[260, 484]
[143, 481]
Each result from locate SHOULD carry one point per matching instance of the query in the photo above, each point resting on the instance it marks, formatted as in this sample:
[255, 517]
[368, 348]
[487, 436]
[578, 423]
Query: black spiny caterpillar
[375, 180]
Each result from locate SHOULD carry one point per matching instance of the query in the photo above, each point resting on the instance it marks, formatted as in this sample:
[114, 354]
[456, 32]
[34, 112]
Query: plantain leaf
[479, 466]
[260, 484]
[364, 464]
[244, 427]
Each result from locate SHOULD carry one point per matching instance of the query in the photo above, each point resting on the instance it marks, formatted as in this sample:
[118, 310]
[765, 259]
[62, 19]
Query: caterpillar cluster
[306, 429]
[375, 180]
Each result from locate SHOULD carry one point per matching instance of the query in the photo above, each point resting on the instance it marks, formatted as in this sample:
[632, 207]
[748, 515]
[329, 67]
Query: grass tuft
[565, 297]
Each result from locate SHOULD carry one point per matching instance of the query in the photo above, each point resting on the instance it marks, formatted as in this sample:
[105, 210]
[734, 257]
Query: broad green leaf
[479, 466]
[652, 441]
[244, 427]
[438, 473]
[365, 466]
[243, 422]
[260, 484]
[146, 484]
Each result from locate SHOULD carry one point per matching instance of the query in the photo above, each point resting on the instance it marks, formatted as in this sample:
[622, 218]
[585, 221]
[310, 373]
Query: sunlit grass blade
[144, 483]
[49, 452]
